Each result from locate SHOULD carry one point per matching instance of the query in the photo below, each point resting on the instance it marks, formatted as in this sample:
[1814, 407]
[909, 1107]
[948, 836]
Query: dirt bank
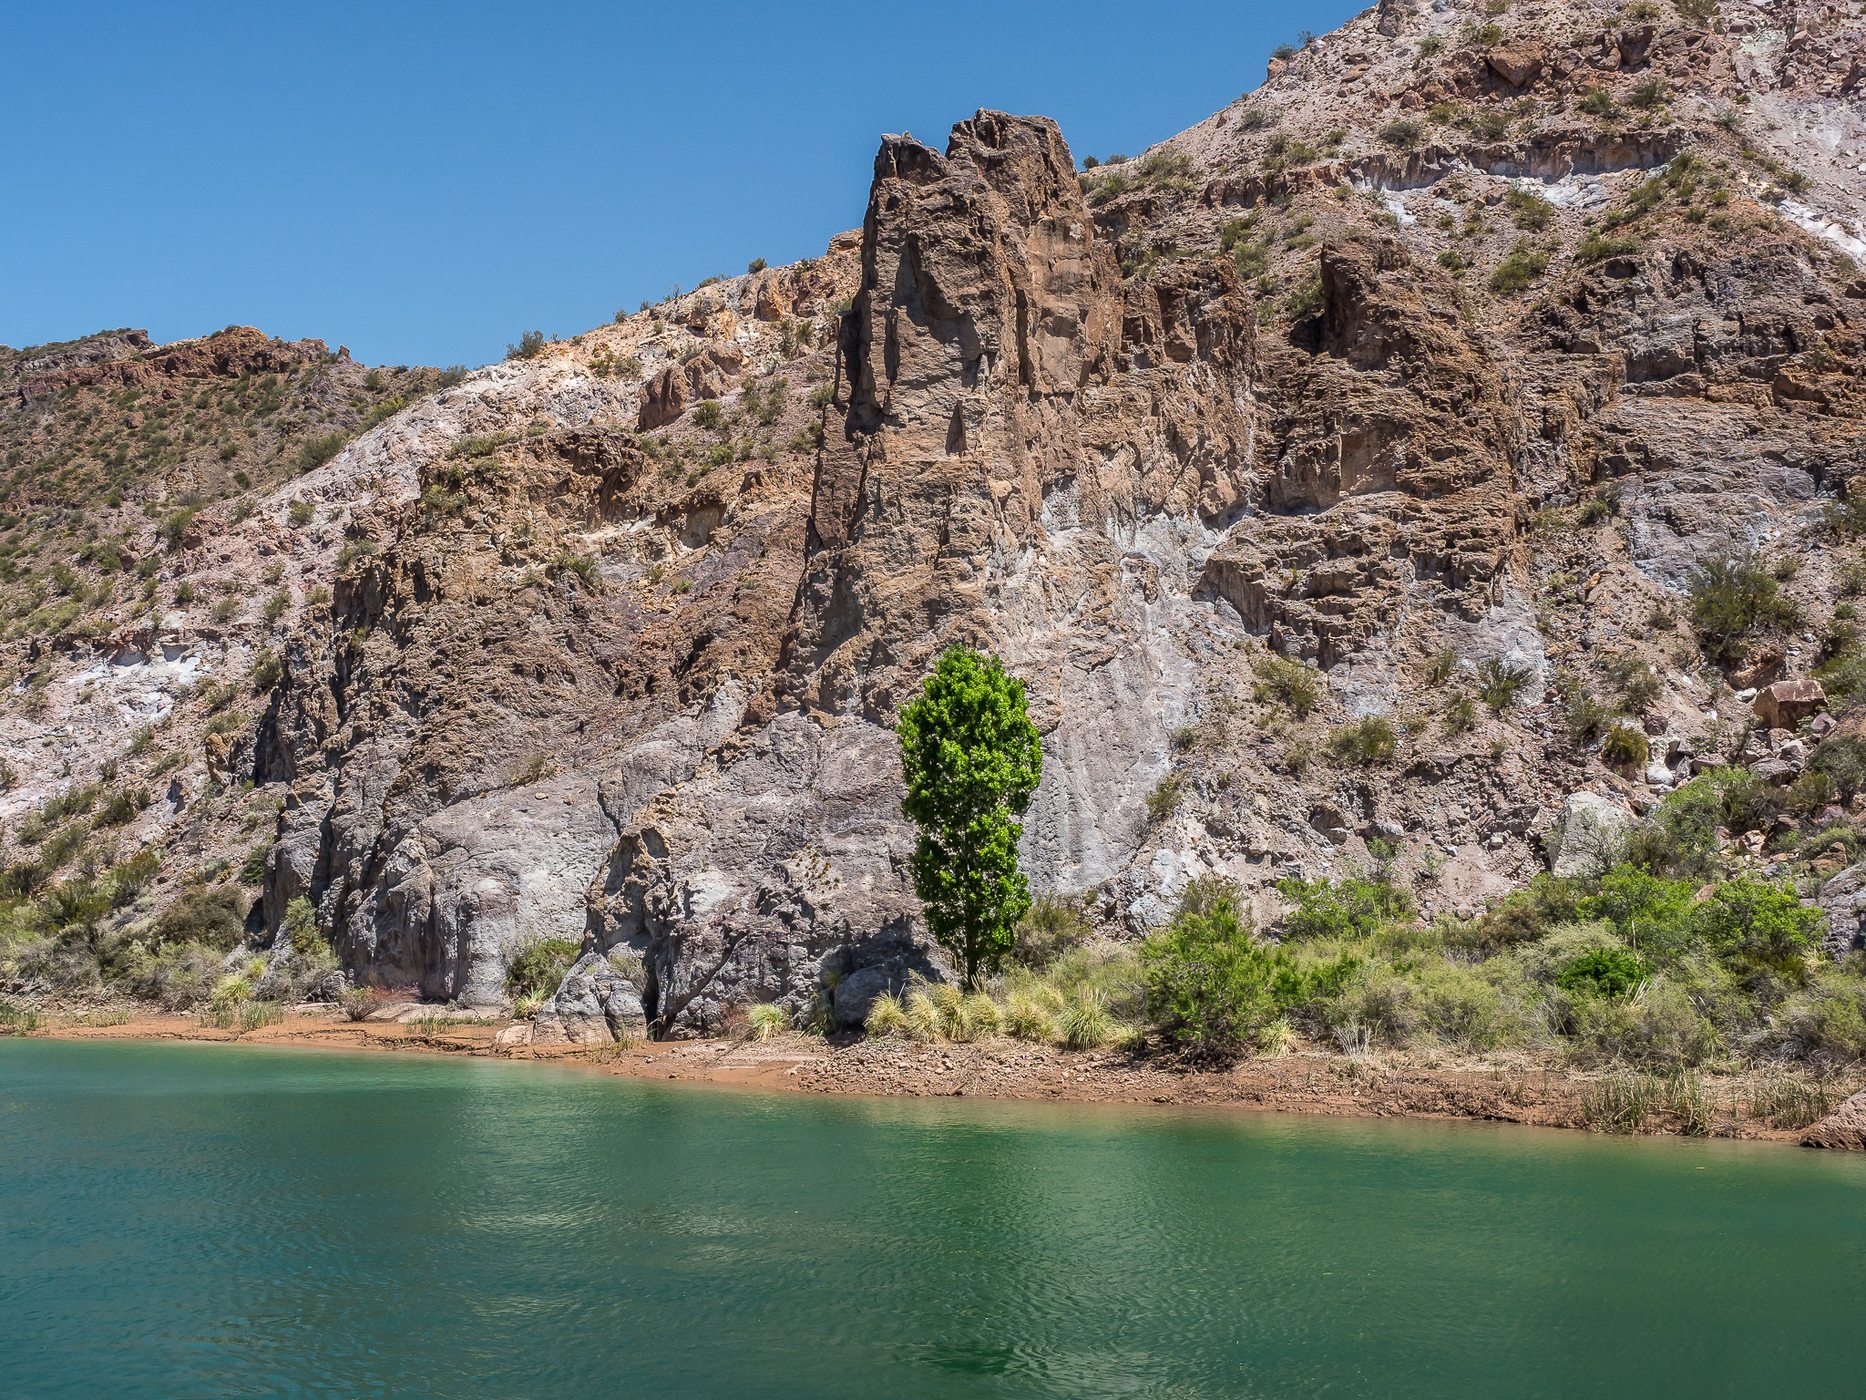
[1760, 1105]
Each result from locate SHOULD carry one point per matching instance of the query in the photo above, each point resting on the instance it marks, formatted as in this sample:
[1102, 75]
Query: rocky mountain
[1447, 449]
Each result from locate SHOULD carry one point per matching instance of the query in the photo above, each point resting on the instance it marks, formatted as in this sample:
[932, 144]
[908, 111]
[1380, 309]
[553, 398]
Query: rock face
[1843, 1129]
[1309, 417]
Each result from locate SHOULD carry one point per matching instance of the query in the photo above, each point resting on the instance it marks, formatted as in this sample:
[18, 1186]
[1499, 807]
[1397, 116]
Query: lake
[217, 1220]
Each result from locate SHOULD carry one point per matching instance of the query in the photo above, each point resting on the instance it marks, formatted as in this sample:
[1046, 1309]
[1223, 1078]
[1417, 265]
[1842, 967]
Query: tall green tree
[972, 759]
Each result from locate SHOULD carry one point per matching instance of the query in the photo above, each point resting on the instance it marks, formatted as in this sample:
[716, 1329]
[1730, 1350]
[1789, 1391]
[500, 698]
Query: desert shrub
[1524, 915]
[1500, 682]
[1163, 797]
[1658, 1028]
[1843, 760]
[299, 512]
[1437, 1000]
[1598, 247]
[1341, 910]
[1732, 594]
[1296, 687]
[540, 965]
[212, 915]
[1652, 914]
[1367, 741]
[1626, 747]
[1679, 837]
[1211, 986]
[530, 345]
[1402, 132]
[175, 976]
[1528, 209]
[315, 452]
[1598, 101]
[1826, 1020]
[1520, 267]
[1602, 972]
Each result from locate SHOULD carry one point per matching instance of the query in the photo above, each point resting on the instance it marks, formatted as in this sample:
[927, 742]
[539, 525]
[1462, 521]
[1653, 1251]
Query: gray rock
[597, 1002]
[1589, 836]
[856, 992]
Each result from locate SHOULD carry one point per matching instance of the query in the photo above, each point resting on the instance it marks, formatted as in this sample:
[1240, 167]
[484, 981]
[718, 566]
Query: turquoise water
[205, 1221]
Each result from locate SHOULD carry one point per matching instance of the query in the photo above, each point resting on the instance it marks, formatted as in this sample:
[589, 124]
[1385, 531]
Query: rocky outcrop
[1844, 1129]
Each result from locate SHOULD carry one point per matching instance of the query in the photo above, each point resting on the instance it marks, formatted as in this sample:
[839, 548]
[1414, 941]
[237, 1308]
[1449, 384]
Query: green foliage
[530, 346]
[1598, 101]
[1298, 688]
[1626, 747]
[1211, 986]
[1519, 268]
[1053, 926]
[765, 1019]
[1598, 247]
[1758, 924]
[1163, 798]
[1499, 682]
[1602, 972]
[1732, 594]
[537, 968]
[1651, 913]
[1402, 132]
[1341, 910]
[1365, 742]
[971, 760]
[1528, 209]
[213, 916]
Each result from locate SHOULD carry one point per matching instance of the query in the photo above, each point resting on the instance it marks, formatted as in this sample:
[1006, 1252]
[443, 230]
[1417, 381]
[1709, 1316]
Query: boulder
[1588, 836]
[596, 1003]
[1516, 64]
[1785, 704]
[1844, 1128]
[856, 992]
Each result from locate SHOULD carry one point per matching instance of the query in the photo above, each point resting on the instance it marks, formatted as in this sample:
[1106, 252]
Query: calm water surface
[194, 1220]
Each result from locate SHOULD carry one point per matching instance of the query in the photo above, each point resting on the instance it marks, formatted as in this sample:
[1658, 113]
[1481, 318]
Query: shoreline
[1515, 1089]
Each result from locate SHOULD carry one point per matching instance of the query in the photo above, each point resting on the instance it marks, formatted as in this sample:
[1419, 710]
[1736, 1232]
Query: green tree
[971, 759]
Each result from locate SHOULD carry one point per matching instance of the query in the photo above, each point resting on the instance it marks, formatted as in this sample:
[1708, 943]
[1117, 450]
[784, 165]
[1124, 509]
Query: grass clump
[538, 967]
[765, 1020]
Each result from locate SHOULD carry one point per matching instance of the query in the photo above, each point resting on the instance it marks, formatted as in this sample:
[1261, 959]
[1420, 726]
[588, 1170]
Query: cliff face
[1436, 364]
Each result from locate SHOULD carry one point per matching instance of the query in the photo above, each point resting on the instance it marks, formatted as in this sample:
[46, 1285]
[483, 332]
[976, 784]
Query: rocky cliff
[1339, 475]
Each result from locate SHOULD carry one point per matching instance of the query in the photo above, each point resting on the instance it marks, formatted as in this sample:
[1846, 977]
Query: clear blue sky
[422, 182]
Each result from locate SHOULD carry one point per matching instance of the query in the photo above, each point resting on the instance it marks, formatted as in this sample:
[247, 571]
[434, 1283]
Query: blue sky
[422, 182]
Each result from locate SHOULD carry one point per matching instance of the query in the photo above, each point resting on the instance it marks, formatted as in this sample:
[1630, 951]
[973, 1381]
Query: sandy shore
[1510, 1090]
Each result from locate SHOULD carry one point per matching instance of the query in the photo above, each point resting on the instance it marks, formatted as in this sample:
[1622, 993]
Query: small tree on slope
[971, 759]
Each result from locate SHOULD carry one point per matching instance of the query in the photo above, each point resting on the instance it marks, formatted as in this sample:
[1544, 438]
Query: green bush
[1402, 132]
[213, 916]
[1652, 914]
[1659, 1028]
[1520, 267]
[1732, 594]
[530, 346]
[1291, 684]
[1626, 747]
[1500, 682]
[1211, 986]
[1758, 923]
[1341, 910]
[1053, 926]
[1615, 973]
[1368, 741]
[537, 968]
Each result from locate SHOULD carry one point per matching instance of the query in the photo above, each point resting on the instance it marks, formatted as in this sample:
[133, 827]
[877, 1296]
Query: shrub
[300, 512]
[538, 967]
[1598, 101]
[1650, 913]
[319, 450]
[1163, 798]
[1626, 747]
[1528, 209]
[1758, 923]
[1843, 760]
[1499, 682]
[886, 1016]
[1365, 742]
[1659, 1027]
[1598, 247]
[213, 916]
[1827, 1021]
[1403, 132]
[1211, 986]
[1521, 266]
[1291, 684]
[1346, 909]
[1054, 926]
[1603, 972]
[530, 345]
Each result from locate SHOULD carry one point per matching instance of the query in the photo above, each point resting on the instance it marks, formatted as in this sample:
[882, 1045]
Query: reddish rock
[1786, 703]
[1516, 64]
